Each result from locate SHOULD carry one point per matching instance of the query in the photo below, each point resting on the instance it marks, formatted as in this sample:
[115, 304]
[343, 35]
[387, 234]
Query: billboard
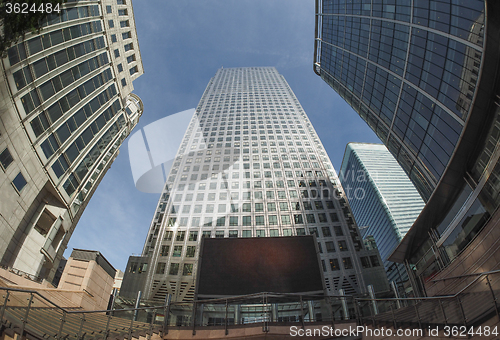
[240, 266]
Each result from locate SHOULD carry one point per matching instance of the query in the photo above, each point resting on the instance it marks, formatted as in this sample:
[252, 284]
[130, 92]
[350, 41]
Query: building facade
[383, 200]
[424, 76]
[250, 165]
[66, 108]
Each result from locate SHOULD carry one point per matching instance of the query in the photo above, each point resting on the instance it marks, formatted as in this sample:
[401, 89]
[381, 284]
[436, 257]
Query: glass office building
[383, 200]
[250, 165]
[424, 76]
[66, 108]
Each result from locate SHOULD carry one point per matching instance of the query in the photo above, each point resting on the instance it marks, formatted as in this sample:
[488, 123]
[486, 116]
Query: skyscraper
[249, 165]
[382, 198]
[424, 76]
[66, 108]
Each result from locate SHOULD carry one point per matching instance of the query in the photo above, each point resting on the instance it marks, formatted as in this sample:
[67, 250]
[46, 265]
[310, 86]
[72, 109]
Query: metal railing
[28, 312]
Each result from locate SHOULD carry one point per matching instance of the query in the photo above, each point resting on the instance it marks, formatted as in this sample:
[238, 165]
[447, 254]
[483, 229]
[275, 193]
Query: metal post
[444, 314]
[418, 315]
[194, 318]
[343, 303]
[265, 327]
[301, 312]
[493, 294]
[150, 333]
[463, 312]
[371, 291]
[357, 311]
[225, 320]
[4, 305]
[63, 320]
[25, 319]
[393, 317]
[137, 302]
[274, 314]
[166, 312]
[237, 314]
[396, 293]
[310, 307]
[80, 336]
[106, 333]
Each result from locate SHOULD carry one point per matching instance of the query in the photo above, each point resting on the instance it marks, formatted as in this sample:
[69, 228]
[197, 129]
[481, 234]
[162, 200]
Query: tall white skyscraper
[381, 196]
[66, 100]
[250, 165]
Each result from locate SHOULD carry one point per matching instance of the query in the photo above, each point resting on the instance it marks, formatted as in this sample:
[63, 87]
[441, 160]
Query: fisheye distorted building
[66, 108]
[249, 165]
[383, 200]
[424, 76]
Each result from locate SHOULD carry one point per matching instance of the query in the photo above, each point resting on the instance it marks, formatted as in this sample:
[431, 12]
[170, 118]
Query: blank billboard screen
[240, 266]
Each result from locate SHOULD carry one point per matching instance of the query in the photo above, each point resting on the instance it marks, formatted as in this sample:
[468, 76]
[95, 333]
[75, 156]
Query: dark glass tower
[424, 76]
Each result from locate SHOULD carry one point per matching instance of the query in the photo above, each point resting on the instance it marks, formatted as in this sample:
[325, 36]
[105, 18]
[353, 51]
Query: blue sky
[182, 44]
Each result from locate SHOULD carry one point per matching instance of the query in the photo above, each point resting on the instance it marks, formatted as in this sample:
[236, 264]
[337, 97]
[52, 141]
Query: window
[374, 261]
[330, 247]
[246, 207]
[338, 230]
[322, 218]
[274, 232]
[108, 9]
[233, 233]
[273, 220]
[259, 220]
[180, 236]
[19, 182]
[285, 220]
[343, 245]
[365, 262]
[300, 231]
[128, 47]
[120, 2]
[310, 218]
[287, 232]
[207, 233]
[124, 82]
[5, 158]
[177, 251]
[160, 268]
[174, 269]
[219, 234]
[165, 250]
[111, 23]
[347, 262]
[188, 269]
[122, 12]
[246, 233]
[334, 217]
[134, 70]
[113, 38]
[298, 219]
[193, 235]
[124, 23]
[221, 221]
[190, 251]
[126, 35]
[334, 264]
[131, 58]
[168, 235]
[247, 220]
[117, 53]
[271, 206]
[260, 233]
[326, 231]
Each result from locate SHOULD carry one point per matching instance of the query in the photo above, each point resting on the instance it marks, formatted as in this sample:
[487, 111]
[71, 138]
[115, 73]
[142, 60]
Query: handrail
[434, 297]
[467, 275]
[75, 311]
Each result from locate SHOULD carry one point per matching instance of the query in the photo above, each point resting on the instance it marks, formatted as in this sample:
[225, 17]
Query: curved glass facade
[409, 68]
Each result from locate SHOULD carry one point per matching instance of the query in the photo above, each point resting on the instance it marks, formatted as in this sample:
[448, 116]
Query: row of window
[6, 159]
[247, 207]
[258, 220]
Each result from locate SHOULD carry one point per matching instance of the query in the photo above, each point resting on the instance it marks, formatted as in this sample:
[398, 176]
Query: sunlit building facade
[67, 105]
[424, 76]
[249, 165]
[383, 200]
